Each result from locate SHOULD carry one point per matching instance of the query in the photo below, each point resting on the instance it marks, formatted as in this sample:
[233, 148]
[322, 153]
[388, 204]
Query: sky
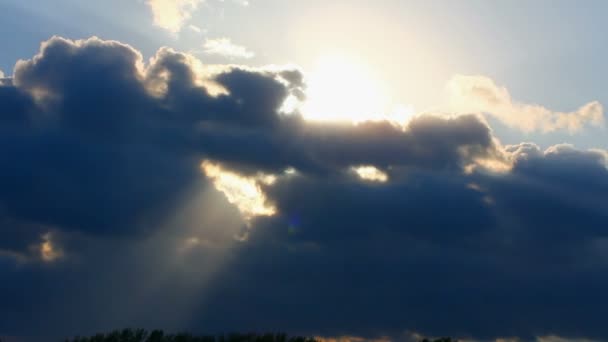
[352, 170]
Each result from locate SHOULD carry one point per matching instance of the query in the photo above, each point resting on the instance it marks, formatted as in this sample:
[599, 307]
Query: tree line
[141, 335]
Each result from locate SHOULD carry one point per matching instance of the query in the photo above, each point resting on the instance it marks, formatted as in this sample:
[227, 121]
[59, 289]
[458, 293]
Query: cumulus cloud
[113, 167]
[172, 14]
[481, 94]
[225, 47]
[105, 112]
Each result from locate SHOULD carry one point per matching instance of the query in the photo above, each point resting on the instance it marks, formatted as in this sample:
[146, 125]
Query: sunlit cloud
[48, 248]
[243, 192]
[480, 94]
[495, 165]
[225, 47]
[371, 173]
[172, 14]
[604, 153]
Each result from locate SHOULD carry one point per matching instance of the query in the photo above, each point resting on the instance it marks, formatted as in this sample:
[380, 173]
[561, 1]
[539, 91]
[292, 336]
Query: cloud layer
[154, 173]
[480, 94]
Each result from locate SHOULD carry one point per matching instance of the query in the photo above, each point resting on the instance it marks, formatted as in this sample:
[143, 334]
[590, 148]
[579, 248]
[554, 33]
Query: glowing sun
[345, 89]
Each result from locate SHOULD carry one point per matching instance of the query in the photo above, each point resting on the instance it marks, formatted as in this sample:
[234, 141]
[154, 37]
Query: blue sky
[363, 170]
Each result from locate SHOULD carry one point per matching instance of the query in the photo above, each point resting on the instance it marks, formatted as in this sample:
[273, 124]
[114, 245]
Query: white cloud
[172, 14]
[481, 94]
[195, 28]
[239, 2]
[225, 47]
[371, 173]
[244, 192]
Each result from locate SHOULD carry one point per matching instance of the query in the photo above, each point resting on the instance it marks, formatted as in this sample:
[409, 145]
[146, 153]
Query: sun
[343, 89]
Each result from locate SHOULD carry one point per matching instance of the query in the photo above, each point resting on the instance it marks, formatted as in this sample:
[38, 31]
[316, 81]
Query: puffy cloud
[102, 179]
[172, 14]
[481, 94]
[95, 120]
[225, 47]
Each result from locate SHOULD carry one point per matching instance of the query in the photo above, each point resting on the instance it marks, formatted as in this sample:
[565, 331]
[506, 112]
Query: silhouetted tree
[140, 335]
[443, 339]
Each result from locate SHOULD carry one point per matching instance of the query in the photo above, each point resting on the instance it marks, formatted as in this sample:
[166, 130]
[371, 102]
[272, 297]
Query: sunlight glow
[343, 89]
[243, 192]
[346, 90]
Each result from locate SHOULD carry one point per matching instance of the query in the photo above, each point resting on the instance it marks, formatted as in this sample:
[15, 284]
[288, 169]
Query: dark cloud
[101, 158]
[97, 149]
[513, 255]
[16, 106]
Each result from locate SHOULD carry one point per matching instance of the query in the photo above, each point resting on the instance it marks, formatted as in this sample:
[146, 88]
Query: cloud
[242, 2]
[214, 209]
[195, 28]
[3, 78]
[225, 47]
[171, 15]
[481, 94]
[241, 191]
[391, 257]
[370, 173]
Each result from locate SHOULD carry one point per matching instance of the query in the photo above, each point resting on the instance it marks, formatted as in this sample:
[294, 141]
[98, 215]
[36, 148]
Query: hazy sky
[364, 170]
